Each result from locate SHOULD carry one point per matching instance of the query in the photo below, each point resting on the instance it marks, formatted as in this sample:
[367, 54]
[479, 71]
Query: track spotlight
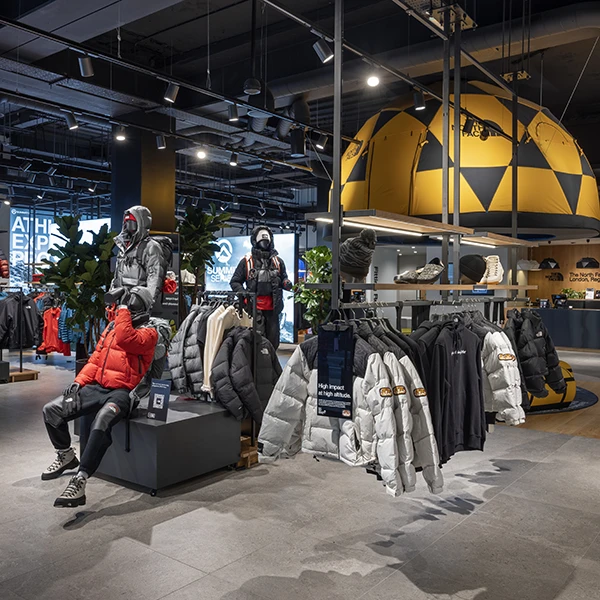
[485, 134]
[92, 188]
[373, 81]
[52, 181]
[252, 86]
[468, 126]
[7, 202]
[268, 166]
[262, 211]
[40, 195]
[201, 154]
[233, 113]
[233, 160]
[419, 100]
[161, 142]
[31, 177]
[70, 184]
[297, 143]
[71, 121]
[222, 207]
[288, 226]
[324, 52]
[120, 134]
[26, 166]
[280, 207]
[235, 204]
[86, 68]
[171, 93]
[51, 170]
[322, 142]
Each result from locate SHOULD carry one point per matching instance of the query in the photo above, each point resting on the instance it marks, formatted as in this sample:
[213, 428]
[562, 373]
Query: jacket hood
[255, 233]
[143, 217]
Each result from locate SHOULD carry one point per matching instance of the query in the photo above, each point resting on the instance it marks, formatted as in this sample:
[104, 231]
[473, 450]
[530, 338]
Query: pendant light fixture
[322, 142]
[419, 100]
[86, 67]
[171, 93]
[233, 160]
[324, 52]
[161, 141]
[120, 134]
[201, 154]
[252, 85]
[297, 143]
[233, 113]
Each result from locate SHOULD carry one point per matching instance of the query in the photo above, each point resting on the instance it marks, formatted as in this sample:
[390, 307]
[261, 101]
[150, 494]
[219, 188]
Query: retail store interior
[299, 300]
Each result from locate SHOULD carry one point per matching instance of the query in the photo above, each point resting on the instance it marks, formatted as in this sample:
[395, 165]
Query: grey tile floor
[520, 521]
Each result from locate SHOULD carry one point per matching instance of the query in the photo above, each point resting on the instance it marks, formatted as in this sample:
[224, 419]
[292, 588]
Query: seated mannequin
[122, 356]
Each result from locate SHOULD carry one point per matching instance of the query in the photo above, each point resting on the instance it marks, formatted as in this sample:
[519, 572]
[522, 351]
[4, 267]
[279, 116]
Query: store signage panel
[226, 259]
[158, 404]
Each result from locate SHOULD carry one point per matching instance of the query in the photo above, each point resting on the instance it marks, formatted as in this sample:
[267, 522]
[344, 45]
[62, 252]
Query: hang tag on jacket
[335, 367]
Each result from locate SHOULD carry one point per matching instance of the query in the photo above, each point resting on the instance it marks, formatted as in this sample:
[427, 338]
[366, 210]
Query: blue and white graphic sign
[233, 249]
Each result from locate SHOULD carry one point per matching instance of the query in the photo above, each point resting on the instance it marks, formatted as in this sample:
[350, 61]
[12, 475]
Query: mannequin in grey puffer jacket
[140, 260]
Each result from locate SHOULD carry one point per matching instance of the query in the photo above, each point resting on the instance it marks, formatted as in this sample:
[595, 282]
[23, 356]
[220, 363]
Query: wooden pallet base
[25, 375]
[248, 454]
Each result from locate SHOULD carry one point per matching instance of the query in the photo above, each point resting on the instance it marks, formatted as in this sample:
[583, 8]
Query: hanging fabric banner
[335, 371]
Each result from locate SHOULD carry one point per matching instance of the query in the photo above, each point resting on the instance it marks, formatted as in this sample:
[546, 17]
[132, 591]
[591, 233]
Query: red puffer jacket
[122, 356]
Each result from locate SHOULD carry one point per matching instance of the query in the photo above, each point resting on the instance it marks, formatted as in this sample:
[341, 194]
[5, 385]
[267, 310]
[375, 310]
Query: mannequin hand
[287, 285]
[71, 401]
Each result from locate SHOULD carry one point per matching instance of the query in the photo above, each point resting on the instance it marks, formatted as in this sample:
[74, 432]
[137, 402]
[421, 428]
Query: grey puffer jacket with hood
[291, 422]
[143, 266]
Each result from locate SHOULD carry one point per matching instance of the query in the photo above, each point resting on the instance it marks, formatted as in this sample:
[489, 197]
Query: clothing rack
[229, 295]
[18, 290]
[398, 305]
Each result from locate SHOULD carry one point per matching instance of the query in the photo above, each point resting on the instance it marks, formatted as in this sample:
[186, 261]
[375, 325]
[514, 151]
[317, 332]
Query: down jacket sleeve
[284, 414]
[243, 379]
[426, 451]
[132, 340]
[224, 389]
[501, 378]
[377, 391]
[155, 267]
[239, 277]
[88, 374]
[404, 422]
[555, 378]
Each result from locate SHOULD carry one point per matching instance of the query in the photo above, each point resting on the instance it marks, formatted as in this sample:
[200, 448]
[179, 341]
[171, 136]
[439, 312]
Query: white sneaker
[65, 459]
[494, 272]
[74, 494]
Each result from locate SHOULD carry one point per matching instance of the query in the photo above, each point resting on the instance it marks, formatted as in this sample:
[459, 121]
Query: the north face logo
[539, 334]
[506, 357]
[385, 392]
[420, 392]
[399, 390]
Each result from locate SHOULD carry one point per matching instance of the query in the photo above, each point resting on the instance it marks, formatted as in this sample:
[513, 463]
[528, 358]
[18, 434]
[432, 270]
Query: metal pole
[445, 147]
[336, 205]
[514, 225]
[457, 140]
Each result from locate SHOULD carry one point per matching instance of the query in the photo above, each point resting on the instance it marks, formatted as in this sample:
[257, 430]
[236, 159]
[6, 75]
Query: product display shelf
[391, 223]
[496, 240]
[400, 287]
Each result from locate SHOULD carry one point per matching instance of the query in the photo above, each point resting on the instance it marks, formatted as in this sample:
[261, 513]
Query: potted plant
[80, 273]
[198, 232]
[318, 270]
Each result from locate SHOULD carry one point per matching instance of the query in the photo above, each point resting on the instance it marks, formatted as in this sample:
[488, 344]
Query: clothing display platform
[198, 438]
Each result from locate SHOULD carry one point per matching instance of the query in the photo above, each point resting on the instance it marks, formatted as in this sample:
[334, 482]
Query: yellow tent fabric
[397, 166]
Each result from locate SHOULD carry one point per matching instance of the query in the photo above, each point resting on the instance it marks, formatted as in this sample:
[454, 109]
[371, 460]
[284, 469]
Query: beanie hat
[144, 294]
[473, 267]
[356, 253]
[588, 263]
[549, 263]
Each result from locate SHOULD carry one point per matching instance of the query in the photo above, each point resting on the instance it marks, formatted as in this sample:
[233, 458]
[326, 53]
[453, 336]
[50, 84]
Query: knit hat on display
[588, 263]
[549, 263]
[356, 253]
[473, 267]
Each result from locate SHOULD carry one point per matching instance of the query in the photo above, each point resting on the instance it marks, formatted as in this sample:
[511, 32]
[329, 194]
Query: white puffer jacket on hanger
[291, 423]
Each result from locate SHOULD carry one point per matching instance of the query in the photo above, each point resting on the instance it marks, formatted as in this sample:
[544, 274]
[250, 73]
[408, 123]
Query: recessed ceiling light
[373, 81]
[201, 154]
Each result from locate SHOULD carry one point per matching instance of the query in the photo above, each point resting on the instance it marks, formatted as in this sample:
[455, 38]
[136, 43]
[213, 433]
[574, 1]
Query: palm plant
[198, 240]
[80, 273]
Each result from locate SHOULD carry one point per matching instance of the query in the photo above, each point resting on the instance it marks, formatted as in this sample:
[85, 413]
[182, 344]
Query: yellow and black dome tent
[397, 166]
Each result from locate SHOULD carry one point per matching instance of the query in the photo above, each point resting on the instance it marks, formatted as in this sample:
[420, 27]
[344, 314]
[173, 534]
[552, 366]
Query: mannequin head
[139, 301]
[262, 238]
[130, 225]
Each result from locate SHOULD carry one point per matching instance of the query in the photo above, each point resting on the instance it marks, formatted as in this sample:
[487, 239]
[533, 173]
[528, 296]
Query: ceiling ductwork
[300, 111]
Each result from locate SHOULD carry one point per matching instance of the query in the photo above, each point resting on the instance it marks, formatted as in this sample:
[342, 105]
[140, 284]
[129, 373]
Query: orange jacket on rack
[122, 356]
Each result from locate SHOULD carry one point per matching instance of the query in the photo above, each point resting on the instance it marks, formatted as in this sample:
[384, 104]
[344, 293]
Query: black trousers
[268, 326]
[108, 406]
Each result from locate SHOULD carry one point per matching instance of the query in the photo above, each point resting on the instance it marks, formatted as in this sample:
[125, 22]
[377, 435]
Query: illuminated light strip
[468, 243]
[375, 227]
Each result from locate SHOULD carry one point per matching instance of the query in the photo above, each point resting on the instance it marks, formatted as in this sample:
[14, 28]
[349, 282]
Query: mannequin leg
[271, 327]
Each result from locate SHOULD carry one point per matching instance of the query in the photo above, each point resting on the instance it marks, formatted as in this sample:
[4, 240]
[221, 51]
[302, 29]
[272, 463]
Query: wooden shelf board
[443, 287]
[496, 239]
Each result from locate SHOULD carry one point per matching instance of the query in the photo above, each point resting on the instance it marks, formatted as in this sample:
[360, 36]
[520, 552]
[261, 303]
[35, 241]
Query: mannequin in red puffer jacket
[122, 357]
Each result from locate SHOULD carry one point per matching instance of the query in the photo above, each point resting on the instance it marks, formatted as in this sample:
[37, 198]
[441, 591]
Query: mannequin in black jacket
[263, 273]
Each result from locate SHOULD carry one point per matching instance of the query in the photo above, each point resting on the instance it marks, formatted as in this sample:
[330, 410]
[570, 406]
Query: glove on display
[71, 400]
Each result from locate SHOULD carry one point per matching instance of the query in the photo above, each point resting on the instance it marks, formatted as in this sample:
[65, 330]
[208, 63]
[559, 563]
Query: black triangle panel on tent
[431, 154]
[359, 171]
[385, 116]
[426, 115]
[525, 113]
[484, 181]
[586, 168]
[530, 155]
[571, 186]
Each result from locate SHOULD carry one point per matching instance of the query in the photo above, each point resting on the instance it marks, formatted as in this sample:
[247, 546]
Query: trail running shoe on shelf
[74, 494]
[427, 274]
[65, 460]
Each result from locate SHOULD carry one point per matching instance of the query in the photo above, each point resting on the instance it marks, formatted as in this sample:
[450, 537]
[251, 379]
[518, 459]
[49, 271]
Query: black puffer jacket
[231, 376]
[537, 354]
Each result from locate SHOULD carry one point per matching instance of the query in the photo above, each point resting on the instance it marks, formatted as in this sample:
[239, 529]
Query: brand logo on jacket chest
[457, 352]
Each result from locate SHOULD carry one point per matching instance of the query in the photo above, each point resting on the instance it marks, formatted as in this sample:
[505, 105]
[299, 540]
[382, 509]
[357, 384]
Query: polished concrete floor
[519, 521]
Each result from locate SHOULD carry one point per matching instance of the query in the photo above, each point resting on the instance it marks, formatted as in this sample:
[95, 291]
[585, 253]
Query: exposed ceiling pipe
[300, 108]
